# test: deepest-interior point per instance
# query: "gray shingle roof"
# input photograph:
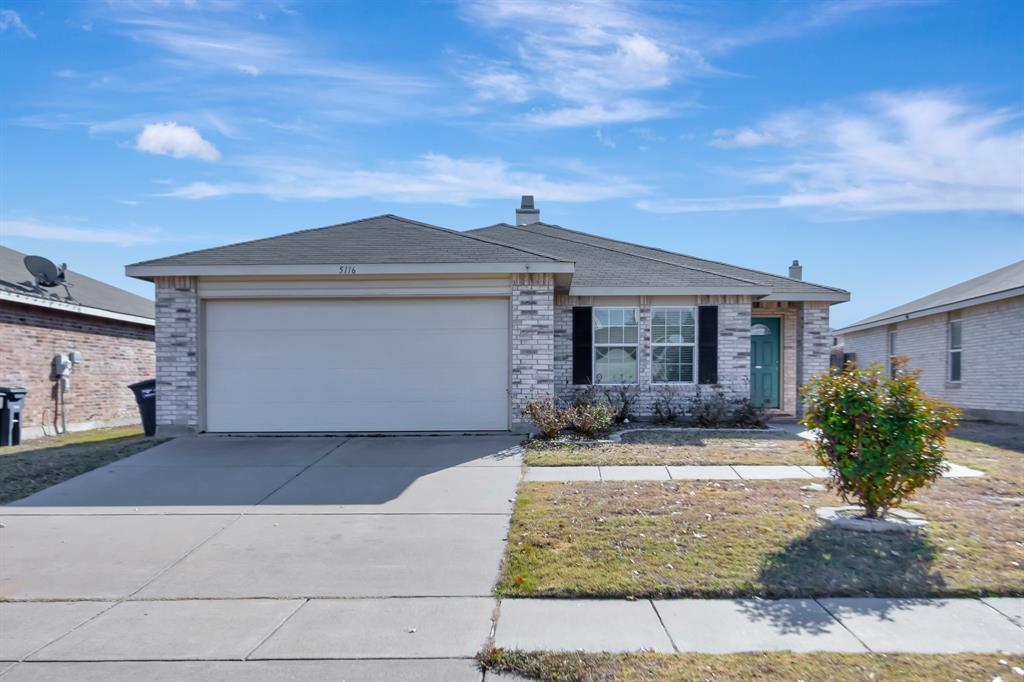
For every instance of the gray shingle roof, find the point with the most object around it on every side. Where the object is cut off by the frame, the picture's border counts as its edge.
(609, 262)
(381, 239)
(998, 281)
(85, 291)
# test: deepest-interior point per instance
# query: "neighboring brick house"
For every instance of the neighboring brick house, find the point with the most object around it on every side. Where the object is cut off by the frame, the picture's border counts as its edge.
(110, 327)
(388, 324)
(967, 340)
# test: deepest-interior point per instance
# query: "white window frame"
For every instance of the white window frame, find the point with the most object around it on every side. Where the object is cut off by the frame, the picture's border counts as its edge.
(958, 351)
(594, 345)
(696, 332)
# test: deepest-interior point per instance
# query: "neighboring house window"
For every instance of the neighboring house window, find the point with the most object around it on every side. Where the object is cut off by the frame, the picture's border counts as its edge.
(673, 336)
(955, 350)
(892, 354)
(616, 340)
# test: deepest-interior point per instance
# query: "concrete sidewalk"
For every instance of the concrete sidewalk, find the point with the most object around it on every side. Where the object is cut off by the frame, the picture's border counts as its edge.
(717, 626)
(735, 472)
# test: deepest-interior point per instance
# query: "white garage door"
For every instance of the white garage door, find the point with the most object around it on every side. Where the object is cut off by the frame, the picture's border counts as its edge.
(357, 365)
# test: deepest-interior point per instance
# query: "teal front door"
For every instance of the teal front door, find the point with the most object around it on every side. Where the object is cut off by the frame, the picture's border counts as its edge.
(764, 361)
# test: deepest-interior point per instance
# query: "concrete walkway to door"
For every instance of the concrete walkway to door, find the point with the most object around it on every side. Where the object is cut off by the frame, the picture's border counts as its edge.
(261, 558)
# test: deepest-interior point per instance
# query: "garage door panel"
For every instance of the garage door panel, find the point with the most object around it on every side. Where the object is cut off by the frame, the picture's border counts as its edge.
(343, 365)
(340, 386)
(369, 415)
(380, 314)
(353, 349)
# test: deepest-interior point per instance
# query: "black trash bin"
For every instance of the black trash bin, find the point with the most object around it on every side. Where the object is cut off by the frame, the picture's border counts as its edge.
(12, 402)
(145, 397)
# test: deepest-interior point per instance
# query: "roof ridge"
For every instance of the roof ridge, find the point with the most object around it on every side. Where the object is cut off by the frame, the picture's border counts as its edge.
(471, 236)
(655, 260)
(891, 312)
(264, 239)
(409, 221)
(686, 255)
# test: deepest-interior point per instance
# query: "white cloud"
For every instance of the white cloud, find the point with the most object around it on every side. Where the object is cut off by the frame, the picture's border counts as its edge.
(11, 19)
(57, 232)
(508, 87)
(597, 114)
(431, 178)
(171, 139)
(586, 57)
(917, 152)
(703, 205)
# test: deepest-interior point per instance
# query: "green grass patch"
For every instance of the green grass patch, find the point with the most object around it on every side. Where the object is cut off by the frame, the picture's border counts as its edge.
(38, 464)
(831, 667)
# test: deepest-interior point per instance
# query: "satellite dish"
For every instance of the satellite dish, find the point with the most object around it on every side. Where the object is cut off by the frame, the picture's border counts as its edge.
(46, 273)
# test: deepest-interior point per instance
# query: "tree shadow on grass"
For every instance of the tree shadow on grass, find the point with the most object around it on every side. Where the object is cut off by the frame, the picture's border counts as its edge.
(835, 562)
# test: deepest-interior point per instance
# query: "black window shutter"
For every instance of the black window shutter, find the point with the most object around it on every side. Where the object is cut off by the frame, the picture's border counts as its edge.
(582, 345)
(707, 344)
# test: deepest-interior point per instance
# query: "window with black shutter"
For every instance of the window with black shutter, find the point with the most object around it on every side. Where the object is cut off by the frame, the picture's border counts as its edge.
(582, 345)
(707, 344)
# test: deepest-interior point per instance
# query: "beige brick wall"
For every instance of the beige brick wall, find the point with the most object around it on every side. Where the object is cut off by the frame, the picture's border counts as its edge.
(177, 355)
(115, 354)
(733, 348)
(533, 341)
(992, 380)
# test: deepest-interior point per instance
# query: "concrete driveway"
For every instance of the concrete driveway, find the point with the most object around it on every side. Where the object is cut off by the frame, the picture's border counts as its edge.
(261, 558)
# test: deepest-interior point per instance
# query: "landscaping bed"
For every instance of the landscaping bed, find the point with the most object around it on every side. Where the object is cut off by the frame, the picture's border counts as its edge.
(40, 463)
(569, 666)
(761, 538)
(676, 447)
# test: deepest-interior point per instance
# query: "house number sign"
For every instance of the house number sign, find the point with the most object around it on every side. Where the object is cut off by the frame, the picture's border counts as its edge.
(346, 269)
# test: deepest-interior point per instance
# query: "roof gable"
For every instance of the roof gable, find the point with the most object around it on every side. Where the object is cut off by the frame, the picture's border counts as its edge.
(675, 267)
(377, 240)
(1008, 279)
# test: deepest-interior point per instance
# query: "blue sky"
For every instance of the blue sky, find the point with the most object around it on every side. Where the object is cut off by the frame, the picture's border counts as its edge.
(881, 143)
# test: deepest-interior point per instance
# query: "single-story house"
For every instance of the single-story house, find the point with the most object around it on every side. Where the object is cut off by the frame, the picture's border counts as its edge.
(389, 324)
(107, 330)
(961, 338)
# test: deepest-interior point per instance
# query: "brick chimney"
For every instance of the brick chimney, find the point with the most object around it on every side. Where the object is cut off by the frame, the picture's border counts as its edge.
(796, 271)
(526, 213)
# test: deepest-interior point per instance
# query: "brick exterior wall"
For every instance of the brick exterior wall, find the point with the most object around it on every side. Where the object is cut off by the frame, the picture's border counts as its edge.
(115, 354)
(733, 349)
(533, 342)
(814, 342)
(992, 375)
(177, 357)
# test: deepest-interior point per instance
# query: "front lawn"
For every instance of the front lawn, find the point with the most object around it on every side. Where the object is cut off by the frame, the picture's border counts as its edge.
(675, 447)
(761, 538)
(571, 667)
(40, 463)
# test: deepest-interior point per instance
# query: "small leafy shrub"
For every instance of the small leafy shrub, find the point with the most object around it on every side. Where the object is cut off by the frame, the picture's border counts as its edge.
(666, 401)
(547, 417)
(591, 420)
(715, 408)
(585, 396)
(747, 415)
(710, 408)
(622, 399)
(881, 438)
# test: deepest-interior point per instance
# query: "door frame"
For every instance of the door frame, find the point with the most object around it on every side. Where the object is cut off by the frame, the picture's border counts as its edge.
(782, 355)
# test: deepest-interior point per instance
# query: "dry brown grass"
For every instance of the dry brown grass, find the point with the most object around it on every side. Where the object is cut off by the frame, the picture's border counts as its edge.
(819, 667)
(677, 448)
(38, 464)
(745, 538)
